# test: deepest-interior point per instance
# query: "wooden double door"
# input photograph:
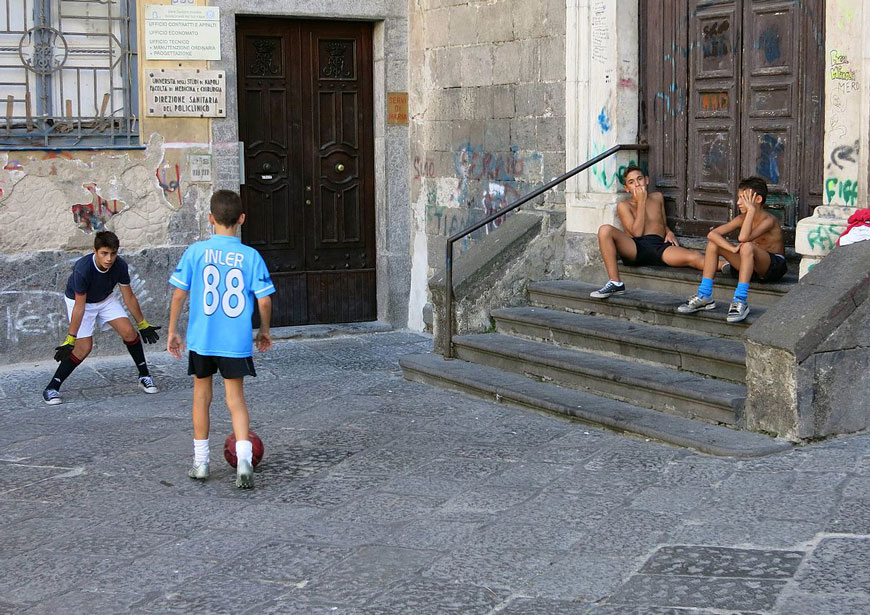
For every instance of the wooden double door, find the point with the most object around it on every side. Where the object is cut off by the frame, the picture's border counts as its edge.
(732, 89)
(306, 122)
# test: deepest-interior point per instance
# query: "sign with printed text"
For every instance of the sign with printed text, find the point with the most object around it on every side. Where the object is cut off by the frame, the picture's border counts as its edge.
(185, 93)
(200, 167)
(397, 108)
(178, 32)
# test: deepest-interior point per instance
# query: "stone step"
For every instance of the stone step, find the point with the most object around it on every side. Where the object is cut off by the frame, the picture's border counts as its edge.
(647, 306)
(684, 282)
(516, 390)
(668, 390)
(684, 350)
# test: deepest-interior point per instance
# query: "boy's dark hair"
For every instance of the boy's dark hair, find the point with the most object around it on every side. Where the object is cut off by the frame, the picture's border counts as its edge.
(106, 239)
(629, 169)
(226, 207)
(756, 184)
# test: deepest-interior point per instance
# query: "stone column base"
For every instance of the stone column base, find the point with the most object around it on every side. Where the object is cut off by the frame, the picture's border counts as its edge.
(817, 235)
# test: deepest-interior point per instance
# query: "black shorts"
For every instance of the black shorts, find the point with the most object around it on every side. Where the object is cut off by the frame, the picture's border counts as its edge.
(775, 270)
(203, 366)
(649, 250)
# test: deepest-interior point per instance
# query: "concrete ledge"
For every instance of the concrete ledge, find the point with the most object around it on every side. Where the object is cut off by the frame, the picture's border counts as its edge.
(523, 392)
(643, 305)
(331, 330)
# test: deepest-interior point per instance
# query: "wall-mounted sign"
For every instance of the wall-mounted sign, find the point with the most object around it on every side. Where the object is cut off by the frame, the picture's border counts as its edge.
(175, 32)
(200, 167)
(185, 93)
(397, 108)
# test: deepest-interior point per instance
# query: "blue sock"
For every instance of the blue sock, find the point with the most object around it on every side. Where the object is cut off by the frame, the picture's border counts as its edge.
(742, 292)
(706, 288)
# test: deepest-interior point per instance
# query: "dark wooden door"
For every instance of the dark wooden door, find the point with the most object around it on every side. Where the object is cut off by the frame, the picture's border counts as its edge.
(306, 121)
(733, 89)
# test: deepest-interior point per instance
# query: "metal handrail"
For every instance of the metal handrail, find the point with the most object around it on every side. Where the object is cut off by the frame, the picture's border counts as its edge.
(448, 351)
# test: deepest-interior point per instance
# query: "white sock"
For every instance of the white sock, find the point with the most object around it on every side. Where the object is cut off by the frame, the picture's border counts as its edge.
(244, 450)
(615, 282)
(200, 451)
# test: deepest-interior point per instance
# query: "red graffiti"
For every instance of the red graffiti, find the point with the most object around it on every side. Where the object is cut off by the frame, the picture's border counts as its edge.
(169, 179)
(423, 168)
(94, 215)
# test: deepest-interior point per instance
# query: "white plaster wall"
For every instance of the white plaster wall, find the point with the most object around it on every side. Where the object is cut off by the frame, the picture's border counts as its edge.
(847, 129)
(601, 105)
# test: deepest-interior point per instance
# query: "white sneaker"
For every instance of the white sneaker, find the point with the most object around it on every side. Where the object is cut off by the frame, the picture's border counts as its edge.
(737, 311)
(199, 471)
(244, 475)
(147, 384)
(696, 304)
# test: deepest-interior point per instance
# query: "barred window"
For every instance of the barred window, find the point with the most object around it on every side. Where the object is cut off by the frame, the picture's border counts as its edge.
(68, 74)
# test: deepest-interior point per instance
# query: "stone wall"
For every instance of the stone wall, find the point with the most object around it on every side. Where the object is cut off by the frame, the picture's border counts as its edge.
(487, 112)
(53, 201)
(807, 358)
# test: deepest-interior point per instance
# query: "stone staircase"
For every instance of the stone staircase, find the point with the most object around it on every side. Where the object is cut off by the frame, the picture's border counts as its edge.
(630, 362)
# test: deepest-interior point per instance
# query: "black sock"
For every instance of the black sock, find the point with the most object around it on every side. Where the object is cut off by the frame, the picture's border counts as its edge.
(65, 368)
(138, 353)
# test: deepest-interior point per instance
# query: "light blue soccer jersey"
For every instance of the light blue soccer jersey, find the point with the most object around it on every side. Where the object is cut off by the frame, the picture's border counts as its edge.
(224, 278)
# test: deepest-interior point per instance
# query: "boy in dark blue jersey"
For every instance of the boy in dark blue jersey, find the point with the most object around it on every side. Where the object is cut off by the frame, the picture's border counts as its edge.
(224, 278)
(90, 302)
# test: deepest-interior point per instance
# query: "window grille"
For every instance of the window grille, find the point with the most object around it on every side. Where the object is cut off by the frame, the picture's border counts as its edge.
(68, 74)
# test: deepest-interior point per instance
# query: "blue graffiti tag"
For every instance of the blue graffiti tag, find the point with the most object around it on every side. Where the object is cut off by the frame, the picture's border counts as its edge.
(770, 149)
(768, 42)
(603, 120)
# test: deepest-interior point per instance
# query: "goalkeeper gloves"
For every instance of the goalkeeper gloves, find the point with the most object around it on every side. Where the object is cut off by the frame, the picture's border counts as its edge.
(65, 350)
(148, 332)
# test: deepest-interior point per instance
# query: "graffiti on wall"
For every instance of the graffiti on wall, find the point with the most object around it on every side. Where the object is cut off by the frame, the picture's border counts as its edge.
(169, 178)
(93, 216)
(823, 237)
(483, 183)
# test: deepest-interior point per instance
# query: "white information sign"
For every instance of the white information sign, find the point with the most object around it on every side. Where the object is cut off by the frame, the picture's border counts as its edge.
(177, 32)
(185, 93)
(200, 167)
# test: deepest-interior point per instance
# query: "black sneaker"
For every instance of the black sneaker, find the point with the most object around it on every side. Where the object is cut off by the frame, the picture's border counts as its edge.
(609, 289)
(52, 397)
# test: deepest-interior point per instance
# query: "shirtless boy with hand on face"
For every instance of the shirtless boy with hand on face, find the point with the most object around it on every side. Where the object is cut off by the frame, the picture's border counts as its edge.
(646, 240)
(758, 255)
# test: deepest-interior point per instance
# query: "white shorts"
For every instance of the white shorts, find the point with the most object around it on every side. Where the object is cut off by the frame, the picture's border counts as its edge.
(99, 314)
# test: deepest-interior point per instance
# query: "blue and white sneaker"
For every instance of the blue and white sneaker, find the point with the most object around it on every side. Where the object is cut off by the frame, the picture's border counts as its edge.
(696, 304)
(608, 290)
(52, 397)
(737, 311)
(147, 384)
(244, 475)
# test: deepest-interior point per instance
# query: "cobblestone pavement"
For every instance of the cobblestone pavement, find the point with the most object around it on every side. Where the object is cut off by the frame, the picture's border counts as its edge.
(379, 496)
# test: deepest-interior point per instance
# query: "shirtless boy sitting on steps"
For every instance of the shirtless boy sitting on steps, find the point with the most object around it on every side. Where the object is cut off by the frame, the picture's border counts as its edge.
(646, 240)
(758, 255)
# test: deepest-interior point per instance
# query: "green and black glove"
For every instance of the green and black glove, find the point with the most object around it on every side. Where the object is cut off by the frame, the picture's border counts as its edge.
(148, 332)
(65, 350)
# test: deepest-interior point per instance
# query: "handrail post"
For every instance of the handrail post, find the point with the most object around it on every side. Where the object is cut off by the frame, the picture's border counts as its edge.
(448, 300)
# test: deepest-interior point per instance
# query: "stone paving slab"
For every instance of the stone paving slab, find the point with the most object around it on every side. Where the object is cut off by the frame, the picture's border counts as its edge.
(379, 496)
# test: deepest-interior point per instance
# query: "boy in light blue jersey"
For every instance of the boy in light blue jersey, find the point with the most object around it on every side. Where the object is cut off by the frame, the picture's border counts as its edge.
(224, 278)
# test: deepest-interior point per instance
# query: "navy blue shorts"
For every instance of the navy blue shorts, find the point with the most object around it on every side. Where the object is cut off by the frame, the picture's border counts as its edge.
(774, 273)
